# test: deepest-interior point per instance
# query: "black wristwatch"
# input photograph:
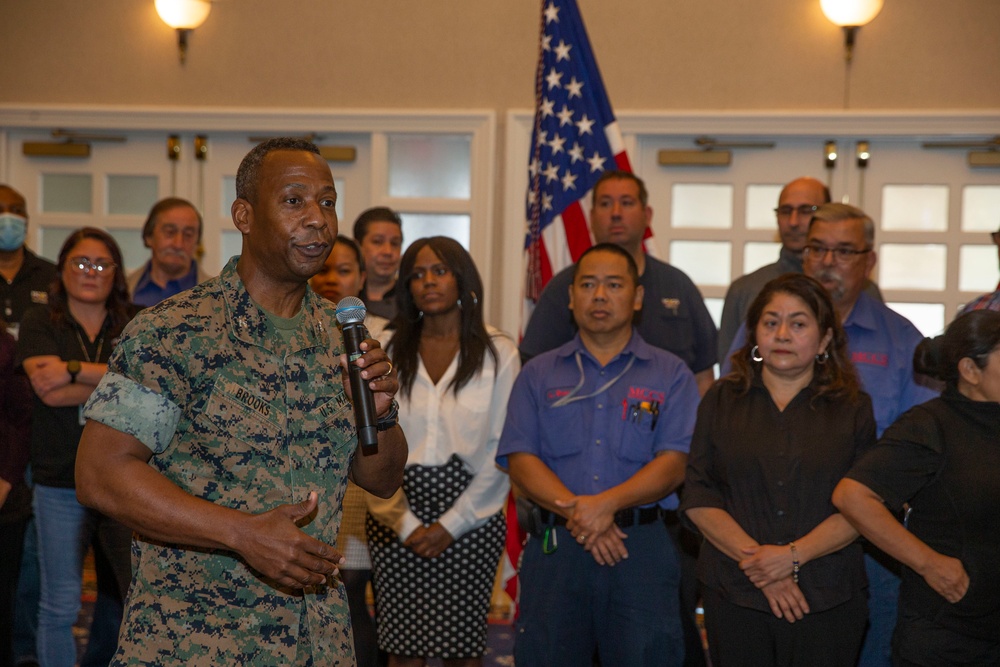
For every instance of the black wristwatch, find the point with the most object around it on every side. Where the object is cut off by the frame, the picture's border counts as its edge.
(389, 419)
(73, 368)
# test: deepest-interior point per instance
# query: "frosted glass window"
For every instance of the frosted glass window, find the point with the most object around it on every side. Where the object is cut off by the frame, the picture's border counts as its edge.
(228, 197)
(52, 240)
(906, 266)
(977, 268)
(714, 305)
(928, 318)
(761, 202)
(232, 244)
(433, 165)
(130, 243)
(702, 205)
(980, 208)
(758, 254)
(419, 225)
(346, 226)
(705, 262)
(915, 208)
(67, 193)
(132, 195)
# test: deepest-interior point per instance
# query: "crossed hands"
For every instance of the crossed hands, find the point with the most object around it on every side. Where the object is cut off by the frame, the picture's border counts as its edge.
(769, 568)
(429, 541)
(592, 524)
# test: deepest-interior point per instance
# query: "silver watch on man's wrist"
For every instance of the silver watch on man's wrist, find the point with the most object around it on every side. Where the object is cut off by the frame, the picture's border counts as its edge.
(389, 419)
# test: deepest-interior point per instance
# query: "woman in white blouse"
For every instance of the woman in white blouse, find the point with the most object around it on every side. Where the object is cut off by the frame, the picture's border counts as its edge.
(436, 544)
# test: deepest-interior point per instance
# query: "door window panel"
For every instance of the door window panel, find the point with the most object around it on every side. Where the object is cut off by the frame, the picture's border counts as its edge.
(67, 193)
(702, 205)
(915, 208)
(912, 266)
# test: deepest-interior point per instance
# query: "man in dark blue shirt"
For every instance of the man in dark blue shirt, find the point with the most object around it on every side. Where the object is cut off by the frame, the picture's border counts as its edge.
(172, 233)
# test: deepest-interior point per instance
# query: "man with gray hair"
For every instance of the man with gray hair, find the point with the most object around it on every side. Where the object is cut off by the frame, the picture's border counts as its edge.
(172, 232)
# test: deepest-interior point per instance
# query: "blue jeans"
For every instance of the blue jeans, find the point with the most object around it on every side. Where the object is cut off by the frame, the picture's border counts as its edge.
(883, 595)
(65, 528)
(60, 521)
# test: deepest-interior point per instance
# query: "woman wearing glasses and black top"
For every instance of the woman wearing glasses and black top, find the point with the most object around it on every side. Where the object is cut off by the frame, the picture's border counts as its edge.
(64, 348)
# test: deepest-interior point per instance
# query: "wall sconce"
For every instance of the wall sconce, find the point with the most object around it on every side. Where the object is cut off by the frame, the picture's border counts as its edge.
(863, 154)
(850, 15)
(184, 16)
(830, 154)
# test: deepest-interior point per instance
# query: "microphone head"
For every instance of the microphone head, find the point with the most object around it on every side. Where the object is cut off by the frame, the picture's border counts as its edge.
(351, 310)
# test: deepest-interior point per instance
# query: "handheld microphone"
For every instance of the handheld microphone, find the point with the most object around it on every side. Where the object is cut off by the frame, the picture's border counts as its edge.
(351, 316)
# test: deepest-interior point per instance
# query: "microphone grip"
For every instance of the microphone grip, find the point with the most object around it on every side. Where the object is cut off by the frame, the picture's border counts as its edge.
(364, 402)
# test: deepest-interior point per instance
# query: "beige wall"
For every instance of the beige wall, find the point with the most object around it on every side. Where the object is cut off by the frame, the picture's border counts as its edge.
(662, 55)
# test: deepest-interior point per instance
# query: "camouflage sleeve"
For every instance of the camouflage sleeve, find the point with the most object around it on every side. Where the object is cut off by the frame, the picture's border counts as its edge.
(131, 408)
(137, 394)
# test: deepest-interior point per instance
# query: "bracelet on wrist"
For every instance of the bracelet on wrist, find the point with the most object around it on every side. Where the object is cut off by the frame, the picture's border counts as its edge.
(390, 418)
(795, 562)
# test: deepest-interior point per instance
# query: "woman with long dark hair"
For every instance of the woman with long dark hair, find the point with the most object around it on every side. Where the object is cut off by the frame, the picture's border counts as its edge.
(436, 544)
(782, 576)
(64, 349)
(940, 461)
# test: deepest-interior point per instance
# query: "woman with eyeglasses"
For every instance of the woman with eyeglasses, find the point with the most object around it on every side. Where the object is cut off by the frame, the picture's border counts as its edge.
(940, 461)
(64, 348)
(782, 574)
(436, 544)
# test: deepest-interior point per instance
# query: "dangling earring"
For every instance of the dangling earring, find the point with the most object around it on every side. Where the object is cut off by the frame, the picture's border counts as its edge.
(821, 358)
(755, 354)
(420, 315)
(459, 304)
(475, 299)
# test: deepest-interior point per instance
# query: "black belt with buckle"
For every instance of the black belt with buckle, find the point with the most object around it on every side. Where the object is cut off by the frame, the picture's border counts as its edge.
(633, 516)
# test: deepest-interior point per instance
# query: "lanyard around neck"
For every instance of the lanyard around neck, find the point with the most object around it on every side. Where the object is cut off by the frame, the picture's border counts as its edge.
(571, 397)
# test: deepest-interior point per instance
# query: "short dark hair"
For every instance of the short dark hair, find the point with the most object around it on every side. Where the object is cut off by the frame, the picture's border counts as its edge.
(349, 243)
(836, 375)
(249, 172)
(163, 206)
(375, 214)
(633, 268)
(974, 335)
(621, 175)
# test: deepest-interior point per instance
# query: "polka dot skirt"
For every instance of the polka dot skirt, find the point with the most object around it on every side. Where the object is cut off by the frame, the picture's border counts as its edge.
(434, 607)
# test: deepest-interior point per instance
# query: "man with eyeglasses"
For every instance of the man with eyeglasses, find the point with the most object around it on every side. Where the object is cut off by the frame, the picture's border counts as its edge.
(797, 202)
(172, 232)
(839, 252)
(990, 300)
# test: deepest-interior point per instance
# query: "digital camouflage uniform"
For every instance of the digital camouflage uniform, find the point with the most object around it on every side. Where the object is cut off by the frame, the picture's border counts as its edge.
(235, 417)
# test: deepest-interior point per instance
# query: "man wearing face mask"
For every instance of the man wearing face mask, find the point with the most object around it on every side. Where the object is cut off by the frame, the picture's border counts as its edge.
(26, 277)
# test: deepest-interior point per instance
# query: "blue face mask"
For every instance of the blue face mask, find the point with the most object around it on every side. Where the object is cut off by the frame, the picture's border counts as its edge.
(12, 230)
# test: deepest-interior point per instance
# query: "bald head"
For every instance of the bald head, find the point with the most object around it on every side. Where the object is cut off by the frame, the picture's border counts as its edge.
(793, 210)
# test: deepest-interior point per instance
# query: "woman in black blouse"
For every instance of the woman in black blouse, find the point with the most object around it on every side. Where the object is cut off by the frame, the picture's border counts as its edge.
(782, 577)
(942, 458)
(64, 347)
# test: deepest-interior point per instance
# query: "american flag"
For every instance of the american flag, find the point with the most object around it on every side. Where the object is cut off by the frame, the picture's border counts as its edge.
(575, 139)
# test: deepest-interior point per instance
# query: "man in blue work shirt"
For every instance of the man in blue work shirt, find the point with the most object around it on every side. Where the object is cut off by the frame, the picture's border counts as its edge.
(172, 232)
(597, 435)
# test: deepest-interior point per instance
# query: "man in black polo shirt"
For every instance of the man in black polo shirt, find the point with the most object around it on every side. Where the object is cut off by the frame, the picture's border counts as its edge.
(26, 276)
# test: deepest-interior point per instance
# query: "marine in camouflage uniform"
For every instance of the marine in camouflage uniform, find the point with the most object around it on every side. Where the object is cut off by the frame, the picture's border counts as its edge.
(216, 418)
(233, 418)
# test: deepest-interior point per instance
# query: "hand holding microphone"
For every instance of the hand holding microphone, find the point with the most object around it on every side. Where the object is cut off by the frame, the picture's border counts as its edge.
(351, 316)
